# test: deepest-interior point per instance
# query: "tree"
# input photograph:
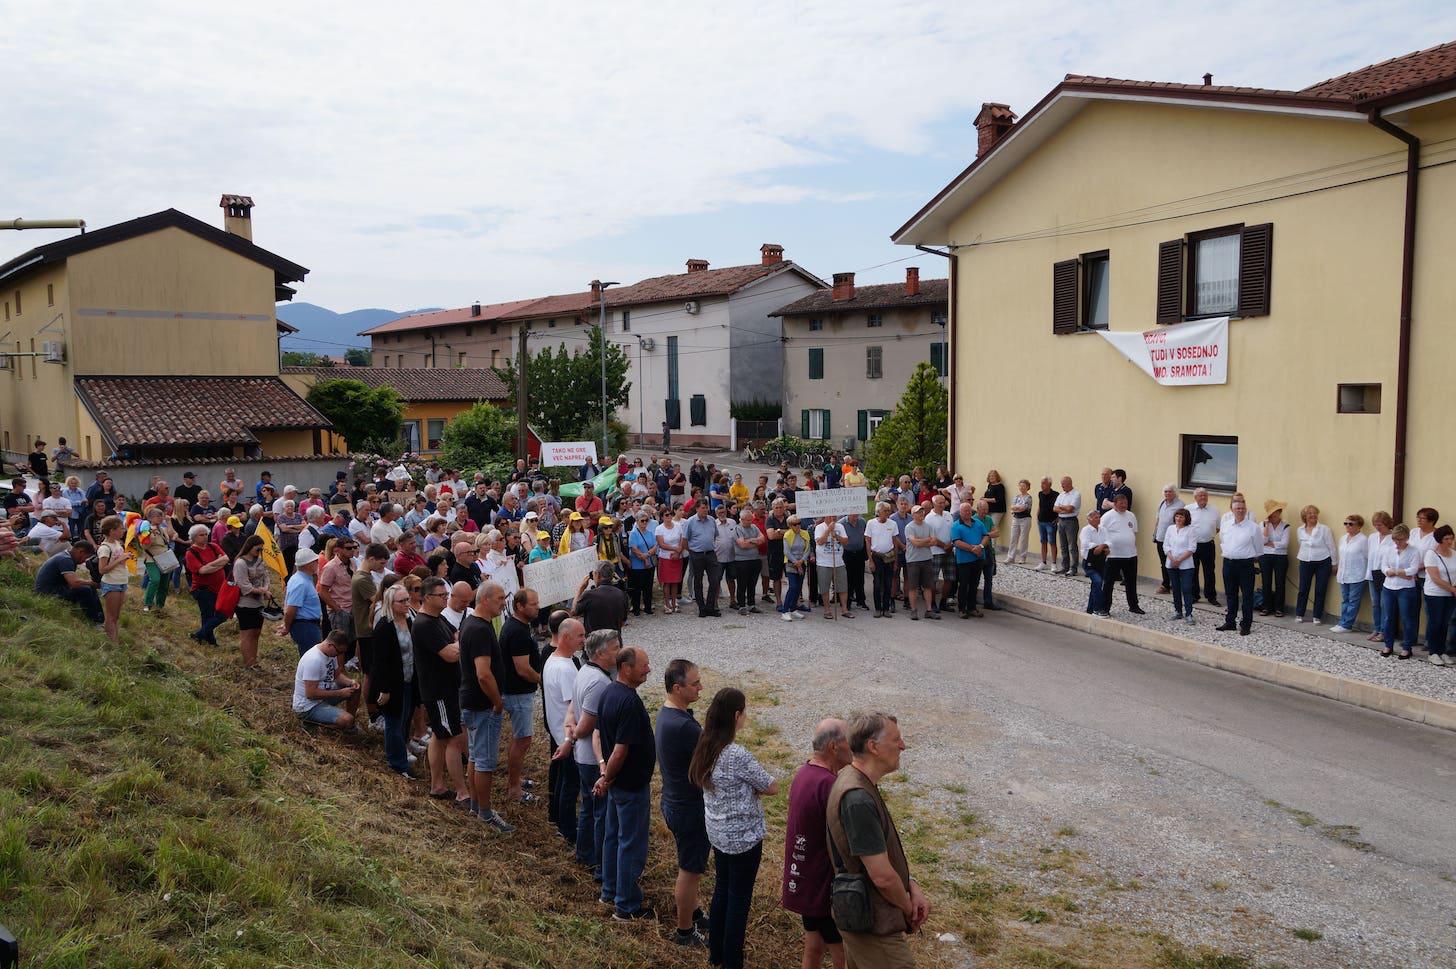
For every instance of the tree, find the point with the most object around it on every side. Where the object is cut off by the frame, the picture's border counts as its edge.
(483, 435)
(564, 392)
(359, 357)
(358, 411)
(300, 358)
(914, 433)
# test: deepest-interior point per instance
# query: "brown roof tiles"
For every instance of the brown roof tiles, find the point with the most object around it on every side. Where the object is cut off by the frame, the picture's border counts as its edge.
(1410, 72)
(179, 411)
(420, 383)
(933, 292)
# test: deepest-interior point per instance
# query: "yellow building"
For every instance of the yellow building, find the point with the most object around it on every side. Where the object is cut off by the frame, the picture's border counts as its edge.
(151, 339)
(432, 397)
(1142, 205)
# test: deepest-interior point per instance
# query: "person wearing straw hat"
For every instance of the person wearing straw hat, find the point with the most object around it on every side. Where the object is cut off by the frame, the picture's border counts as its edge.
(1274, 558)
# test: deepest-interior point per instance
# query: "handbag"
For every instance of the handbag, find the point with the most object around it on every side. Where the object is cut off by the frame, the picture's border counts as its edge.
(849, 897)
(166, 560)
(227, 599)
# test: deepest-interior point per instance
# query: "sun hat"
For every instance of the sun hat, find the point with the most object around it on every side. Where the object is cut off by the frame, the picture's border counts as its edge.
(1273, 505)
(304, 556)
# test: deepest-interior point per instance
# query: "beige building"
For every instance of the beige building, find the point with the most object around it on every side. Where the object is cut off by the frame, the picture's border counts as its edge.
(849, 352)
(153, 338)
(1319, 220)
(468, 336)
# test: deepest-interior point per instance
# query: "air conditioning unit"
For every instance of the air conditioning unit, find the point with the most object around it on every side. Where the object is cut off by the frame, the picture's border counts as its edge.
(649, 344)
(55, 351)
(691, 307)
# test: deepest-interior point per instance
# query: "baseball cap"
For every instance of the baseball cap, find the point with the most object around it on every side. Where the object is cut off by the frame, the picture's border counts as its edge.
(49, 513)
(188, 474)
(234, 521)
(576, 516)
(305, 556)
(530, 515)
(605, 520)
(543, 536)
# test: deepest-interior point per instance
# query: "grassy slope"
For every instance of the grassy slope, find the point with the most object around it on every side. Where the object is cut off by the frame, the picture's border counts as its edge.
(159, 807)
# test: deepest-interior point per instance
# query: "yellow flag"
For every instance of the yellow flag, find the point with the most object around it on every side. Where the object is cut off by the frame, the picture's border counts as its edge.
(272, 557)
(130, 544)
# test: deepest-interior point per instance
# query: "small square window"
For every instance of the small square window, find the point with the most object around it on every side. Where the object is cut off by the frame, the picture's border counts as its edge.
(816, 325)
(874, 362)
(435, 430)
(550, 322)
(1209, 461)
(876, 319)
(1358, 399)
(937, 318)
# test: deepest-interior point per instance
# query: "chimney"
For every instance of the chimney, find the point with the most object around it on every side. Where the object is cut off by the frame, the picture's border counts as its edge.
(992, 124)
(912, 281)
(237, 215)
(474, 309)
(772, 253)
(596, 291)
(697, 265)
(843, 286)
(1208, 80)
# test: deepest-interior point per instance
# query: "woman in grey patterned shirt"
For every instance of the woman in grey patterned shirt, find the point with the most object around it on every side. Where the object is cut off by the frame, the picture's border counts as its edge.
(732, 782)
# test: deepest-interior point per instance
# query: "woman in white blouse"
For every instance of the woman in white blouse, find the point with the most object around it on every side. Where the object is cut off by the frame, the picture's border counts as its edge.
(1377, 544)
(1440, 565)
(1353, 572)
(1400, 563)
(1274, 558)
(1316, 562)
(1180, 545)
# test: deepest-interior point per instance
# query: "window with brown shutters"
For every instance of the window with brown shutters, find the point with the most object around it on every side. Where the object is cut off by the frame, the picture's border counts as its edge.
(1064, 296)
(1255, 260)
(1170, 281)
(1216, 272)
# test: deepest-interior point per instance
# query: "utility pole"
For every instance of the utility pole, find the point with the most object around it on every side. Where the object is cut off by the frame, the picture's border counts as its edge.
(601, 289)
(521, 395)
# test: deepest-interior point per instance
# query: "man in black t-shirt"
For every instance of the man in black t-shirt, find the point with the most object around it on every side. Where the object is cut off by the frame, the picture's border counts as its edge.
(518, 681)
(605, 606)
(437, 669)
(481, 703)
(188, 490)
(774, 526)
(40, 466)
(464, 569)
(682, 802)
(480, 505)
(626, 782)
(1046, 524)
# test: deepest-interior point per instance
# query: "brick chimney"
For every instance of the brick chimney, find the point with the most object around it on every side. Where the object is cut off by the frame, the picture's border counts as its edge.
(912, 281)
(772, 253)
(237, 215)
(843, 286)
(474, 309)
(596, 291)
(697, 265)
(992, 124)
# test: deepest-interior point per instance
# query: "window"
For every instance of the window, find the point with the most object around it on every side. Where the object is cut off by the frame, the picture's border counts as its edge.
(672, 412)
(386, 360)
(1096, 290)
(462, 358)
(869, 422)
(1081, 293)
(672, 393)
(937, 358)
(435, 431)
(816, 363)
(50, 294)
(1216, 272)
(410, 432)
(1210, 462)
(493, 328)
(874, 362)
(495, 358)
(814, 425)
(7, 310)
(816, 325)
(698, 411)
(1358, 399)
(550, 322)
(18, 310)
(876, 319)
(937, 318)
(626, 321)
(468, 329)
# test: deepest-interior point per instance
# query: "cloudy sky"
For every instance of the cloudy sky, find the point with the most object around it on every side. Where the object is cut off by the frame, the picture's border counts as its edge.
(434, 153)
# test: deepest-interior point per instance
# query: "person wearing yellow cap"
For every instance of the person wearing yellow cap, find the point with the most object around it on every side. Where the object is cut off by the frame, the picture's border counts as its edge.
(232, 540)
(576, 536)
(542, 551)
(609, 545)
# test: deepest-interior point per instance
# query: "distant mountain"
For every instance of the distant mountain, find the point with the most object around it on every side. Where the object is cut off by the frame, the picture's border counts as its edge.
(332, 331)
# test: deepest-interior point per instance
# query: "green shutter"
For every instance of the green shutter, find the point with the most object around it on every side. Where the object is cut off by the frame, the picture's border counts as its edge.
(864, 425)
(937, 358)
(816, 363)
(827, 434)
(804, 424)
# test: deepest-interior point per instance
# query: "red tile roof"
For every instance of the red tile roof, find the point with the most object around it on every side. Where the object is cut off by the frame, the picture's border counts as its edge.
(420, 383)
(567, 304)
(178, 411)
(933, 292)
(1432, 66)
(489, 313)
(696, 285)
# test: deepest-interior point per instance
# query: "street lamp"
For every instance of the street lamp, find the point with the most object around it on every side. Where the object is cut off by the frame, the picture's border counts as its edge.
(601, 289)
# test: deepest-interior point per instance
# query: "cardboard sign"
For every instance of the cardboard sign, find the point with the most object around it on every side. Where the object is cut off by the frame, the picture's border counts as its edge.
(568, 454)
(555, 580)
(1183, 355)
(831, 501)
(504, 573)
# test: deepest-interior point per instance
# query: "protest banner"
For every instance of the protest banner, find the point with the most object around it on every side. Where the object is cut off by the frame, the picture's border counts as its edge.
(502, 571)
(555, 580)
(568, 454)
(831, 501)
(1182, 355)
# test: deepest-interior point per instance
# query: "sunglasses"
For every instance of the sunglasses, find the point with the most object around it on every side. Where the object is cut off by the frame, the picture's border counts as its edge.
(1349, 523)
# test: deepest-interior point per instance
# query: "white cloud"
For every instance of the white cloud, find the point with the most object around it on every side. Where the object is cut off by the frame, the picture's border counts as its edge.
(434, 153)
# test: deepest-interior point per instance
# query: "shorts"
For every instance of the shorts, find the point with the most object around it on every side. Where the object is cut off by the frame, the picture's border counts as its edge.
(775, 563)
(833, 578)
(109, 587)
(690, 834)
(947, 567)
(824, 925)
(484, 728)
(1047, 532)
(522, 708)
(920, 575)
(342, 621)
(444, 716)
(249, 617)
(327, 711)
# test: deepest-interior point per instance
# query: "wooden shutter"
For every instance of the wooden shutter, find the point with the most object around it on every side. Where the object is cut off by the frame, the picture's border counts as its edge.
(1170, 281)
(804, 424)
(698, 410)
(1064, 296)
(1256, 252)
(672, 408)
(864, 425)
(937, 358)
(816, 363)
(825, 427)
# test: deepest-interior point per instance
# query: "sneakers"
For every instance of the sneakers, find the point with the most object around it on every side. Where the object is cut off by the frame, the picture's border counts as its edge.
(637, 916)
(1189, 619)
(353, 665)
(1317, 621)
(755, 610)
(1299, 619)
(1338, 629)
(1177, 616)
(495, 822)
(377, 724)
(1438, 659)
(1040, 567)
(786, 616)
(688, 939)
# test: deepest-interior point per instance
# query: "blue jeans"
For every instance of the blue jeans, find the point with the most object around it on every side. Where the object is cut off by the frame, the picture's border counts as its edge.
(396, 730)
(208, 615)
(1350, 595)
(1184, 583)
(1404, 605)
(624, 850)
(1094, 594)
(1377, 602)
(564, 783)
(1438, 620)
(306, 634)
(1318, 574)
(591, 824)
(734, 876)
(791, 595)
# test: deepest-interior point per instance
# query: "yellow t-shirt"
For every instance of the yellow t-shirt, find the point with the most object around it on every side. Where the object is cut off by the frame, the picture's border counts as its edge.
(852, 479)
(738, 492)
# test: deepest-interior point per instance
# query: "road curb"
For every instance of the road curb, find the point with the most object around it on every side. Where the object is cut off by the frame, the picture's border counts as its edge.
(1371, 696)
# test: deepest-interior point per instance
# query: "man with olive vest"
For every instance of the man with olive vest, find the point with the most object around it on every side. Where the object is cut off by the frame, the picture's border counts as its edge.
(873, 899)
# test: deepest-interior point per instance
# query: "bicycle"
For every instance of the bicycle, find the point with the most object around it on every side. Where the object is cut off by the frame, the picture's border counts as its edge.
(752, 454)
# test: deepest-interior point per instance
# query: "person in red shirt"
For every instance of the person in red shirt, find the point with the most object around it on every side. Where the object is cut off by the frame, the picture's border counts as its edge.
(206, 563)
(408, 557)
(807, 867)
(589, 505)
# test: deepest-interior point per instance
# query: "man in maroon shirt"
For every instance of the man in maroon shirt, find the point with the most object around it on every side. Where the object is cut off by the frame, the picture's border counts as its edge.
(589, 505)
(807, 869)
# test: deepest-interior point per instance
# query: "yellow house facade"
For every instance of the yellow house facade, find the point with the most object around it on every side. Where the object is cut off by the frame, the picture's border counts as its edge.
(1136, 206)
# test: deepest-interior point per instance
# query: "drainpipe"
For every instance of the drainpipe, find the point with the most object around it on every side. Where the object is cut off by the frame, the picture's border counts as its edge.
(1407, 279)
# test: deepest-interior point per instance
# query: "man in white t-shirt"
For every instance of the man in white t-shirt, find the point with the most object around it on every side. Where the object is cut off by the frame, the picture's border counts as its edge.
(882, 538)
(1092, 550)
(462, 598)
(558, 684)
(386, 531)
(829, 539)
(938, 518)
(1068, 506)
(1204, 521)
(321, 694)
(1121, 526)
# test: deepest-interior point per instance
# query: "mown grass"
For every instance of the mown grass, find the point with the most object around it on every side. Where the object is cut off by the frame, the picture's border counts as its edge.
(159, 807)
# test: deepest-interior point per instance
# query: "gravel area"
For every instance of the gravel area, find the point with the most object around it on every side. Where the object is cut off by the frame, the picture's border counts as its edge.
(1129, 801)
(1307, 645)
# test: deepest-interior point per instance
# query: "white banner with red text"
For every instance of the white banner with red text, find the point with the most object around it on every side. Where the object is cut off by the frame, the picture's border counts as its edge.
(1181, 355)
